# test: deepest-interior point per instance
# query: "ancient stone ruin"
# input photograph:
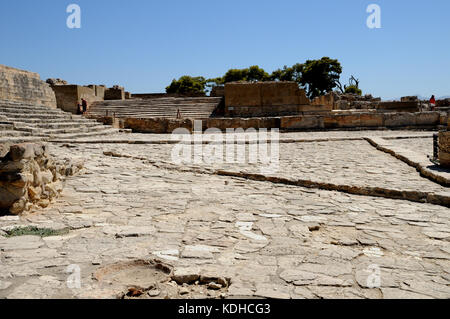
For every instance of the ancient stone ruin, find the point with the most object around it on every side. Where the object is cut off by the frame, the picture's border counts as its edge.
(352, 192)
(29, 177)
(23, 86)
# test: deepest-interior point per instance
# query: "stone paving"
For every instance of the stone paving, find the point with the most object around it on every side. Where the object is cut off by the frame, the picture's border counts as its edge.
(419, 145)
(215, 236)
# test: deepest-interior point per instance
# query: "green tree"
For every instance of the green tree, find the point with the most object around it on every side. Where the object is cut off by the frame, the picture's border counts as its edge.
(293, 73)
(252, 74)
(256, 74)
(353, 89)
(235, 75)
(187, 85)
(320, 76)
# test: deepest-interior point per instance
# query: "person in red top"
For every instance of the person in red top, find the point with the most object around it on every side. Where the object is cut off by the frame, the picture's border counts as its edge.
(432, 102)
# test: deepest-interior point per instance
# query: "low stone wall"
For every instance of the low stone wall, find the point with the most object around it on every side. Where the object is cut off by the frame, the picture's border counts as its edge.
(444, 149)
(361, 120)
(394, 106)
(330, 120)
(30, 177)
(23, 86)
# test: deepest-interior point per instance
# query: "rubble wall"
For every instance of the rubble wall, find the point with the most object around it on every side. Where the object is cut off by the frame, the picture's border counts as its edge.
(29, 177)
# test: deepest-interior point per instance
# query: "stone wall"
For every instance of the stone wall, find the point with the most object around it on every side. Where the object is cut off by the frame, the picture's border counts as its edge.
(307, 122)
(30, 177)
(115, 93)
(444, 148)
(394, 106)
(245, 99)
(99, 91)
(350, 101)
(443, 103)
(23, 86)
(218, 91)
(69, 96)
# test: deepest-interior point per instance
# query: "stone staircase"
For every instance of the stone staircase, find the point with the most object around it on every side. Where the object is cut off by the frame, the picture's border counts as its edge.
(21, 122)
(166, 107)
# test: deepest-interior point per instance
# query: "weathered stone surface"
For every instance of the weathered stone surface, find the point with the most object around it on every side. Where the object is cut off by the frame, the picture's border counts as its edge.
(444, 149)
(29, 176)
(263, 98)
(319, 243)
(23, 86)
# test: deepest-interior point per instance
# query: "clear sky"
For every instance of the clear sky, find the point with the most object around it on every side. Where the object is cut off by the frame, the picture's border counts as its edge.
(144, 44)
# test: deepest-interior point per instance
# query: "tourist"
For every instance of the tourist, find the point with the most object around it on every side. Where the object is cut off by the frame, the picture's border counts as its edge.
(432, 102)
(84, 105)
(178, 114)
(79, 109)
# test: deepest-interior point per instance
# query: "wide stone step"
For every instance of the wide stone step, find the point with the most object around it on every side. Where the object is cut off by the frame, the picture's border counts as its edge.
(82, 129)
(10, 110)
(22, 139)
(37, 117)
(124, 104)
(6, 127)
(36, 121)
(14, 133)
(66, 125)
(88, 134)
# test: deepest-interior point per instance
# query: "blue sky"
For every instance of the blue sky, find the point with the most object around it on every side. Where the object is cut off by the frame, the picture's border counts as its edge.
(144, 44)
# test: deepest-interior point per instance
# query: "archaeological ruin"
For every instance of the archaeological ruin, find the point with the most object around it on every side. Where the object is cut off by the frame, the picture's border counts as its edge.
(356, 184)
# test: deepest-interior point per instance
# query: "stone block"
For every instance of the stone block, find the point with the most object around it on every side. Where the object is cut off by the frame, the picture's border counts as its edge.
(242, 94)
(411, 107)
(115, 93)
(371, 120)
(279, 93)
(427, 118)
(301, 122)
(444, 149)
(147, 125)
(263, 98)
(399, 119)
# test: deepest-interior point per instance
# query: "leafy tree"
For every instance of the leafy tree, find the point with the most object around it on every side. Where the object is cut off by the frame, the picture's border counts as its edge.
(353, 89)
(187, 85)
(293, 73)
(320, 76)
(234, 75)
(353, 86)
(255, 73)
(252, 74)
